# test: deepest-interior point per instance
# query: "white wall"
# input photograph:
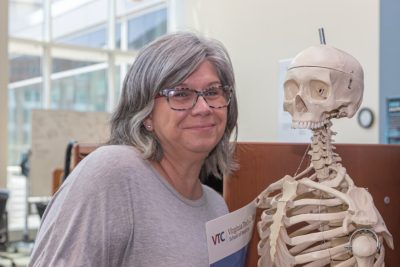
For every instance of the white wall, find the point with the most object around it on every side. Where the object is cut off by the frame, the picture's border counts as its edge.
(259, 33)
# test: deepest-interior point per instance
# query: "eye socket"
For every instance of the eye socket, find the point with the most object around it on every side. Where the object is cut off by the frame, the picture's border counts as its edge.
(291, 89)
(319, 90)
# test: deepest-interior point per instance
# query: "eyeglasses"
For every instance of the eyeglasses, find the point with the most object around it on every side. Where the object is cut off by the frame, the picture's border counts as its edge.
(180, 98)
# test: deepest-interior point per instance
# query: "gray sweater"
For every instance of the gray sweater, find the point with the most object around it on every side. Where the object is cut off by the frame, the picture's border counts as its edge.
(116, 210)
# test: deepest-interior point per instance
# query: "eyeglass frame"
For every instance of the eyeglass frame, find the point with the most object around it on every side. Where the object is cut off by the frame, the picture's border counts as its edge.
(227, 88)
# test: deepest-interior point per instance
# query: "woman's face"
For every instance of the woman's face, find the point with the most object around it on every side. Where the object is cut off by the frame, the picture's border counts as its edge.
(193, 132)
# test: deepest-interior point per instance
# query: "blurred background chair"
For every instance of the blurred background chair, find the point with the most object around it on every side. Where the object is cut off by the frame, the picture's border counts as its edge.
(4, 195)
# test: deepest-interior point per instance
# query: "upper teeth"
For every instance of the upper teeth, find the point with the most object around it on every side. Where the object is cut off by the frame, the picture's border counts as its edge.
(307, 124)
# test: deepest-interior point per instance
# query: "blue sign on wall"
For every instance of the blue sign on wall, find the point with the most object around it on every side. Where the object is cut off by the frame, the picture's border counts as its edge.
(393, 111)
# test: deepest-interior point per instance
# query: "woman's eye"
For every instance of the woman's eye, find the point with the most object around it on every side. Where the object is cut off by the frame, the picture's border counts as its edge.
(211, 92)
(180, 93)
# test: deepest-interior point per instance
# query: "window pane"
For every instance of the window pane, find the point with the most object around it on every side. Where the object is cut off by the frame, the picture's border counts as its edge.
(21, 101)
(25, 94)
(118, 83)
(61, 64)
(26, 19)
(24, 67)
(120, 72)
(80, 92)
(144, 29)
(92, 37)
(118, 43)
(79, 22)
(126, 7)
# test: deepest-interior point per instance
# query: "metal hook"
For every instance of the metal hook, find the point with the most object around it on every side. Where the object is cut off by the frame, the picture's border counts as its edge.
(360, 231)
(322, 36)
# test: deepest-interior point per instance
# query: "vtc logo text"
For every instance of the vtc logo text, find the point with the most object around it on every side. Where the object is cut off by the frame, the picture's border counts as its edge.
(218, 238)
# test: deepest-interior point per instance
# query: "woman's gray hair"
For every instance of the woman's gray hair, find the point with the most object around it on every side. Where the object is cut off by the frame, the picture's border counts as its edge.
(166, 63)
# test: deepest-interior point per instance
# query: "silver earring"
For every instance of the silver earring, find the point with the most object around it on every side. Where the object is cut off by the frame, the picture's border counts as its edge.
(148, 127)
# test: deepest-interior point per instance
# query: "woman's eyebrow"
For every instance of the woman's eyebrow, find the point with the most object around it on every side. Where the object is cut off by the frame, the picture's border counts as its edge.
(208, 85)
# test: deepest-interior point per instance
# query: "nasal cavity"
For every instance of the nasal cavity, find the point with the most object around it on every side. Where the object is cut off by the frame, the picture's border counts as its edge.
(300, 105)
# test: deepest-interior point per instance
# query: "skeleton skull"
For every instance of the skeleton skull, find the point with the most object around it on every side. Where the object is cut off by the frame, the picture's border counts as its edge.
(322, 82)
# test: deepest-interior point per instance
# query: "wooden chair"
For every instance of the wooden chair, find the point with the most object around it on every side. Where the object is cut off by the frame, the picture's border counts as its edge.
(78, 152)
(375, 167)
(57, 175)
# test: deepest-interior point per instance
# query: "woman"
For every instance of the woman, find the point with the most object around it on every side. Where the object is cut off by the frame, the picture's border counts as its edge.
(139, 201)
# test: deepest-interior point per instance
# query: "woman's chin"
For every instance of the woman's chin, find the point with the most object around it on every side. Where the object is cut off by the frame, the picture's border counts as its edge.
(202, 147)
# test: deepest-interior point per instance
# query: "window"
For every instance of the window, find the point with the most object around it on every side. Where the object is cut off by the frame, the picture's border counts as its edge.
(81, 22)
(143, 29)
(78, 80)
(61, 57)
(24, 94)
(86, 91)
(22, 100)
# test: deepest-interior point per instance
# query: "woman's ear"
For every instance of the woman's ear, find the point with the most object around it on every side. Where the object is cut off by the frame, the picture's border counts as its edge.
(148, 124)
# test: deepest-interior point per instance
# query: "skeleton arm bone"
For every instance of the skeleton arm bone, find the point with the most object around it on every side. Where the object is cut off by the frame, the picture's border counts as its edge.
(381, 257)
(364, 250)
(364, 244)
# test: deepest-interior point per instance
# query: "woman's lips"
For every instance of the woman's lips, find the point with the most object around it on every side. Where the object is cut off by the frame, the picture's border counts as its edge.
(201, 126)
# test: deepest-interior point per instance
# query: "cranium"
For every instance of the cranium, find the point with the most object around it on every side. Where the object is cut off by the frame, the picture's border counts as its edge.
(322, 82)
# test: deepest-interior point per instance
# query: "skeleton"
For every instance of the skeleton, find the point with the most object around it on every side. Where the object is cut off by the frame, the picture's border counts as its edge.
(319, 217)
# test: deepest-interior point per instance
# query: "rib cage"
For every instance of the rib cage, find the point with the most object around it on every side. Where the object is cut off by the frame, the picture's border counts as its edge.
(308, 219)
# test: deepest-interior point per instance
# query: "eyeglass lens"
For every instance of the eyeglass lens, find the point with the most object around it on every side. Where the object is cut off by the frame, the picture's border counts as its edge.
(185, 98)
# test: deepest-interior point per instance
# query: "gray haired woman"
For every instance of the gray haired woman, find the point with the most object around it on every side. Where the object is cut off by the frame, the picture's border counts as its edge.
(139, 200)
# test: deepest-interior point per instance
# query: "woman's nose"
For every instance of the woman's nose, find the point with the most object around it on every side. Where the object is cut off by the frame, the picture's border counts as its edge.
(201, 106)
